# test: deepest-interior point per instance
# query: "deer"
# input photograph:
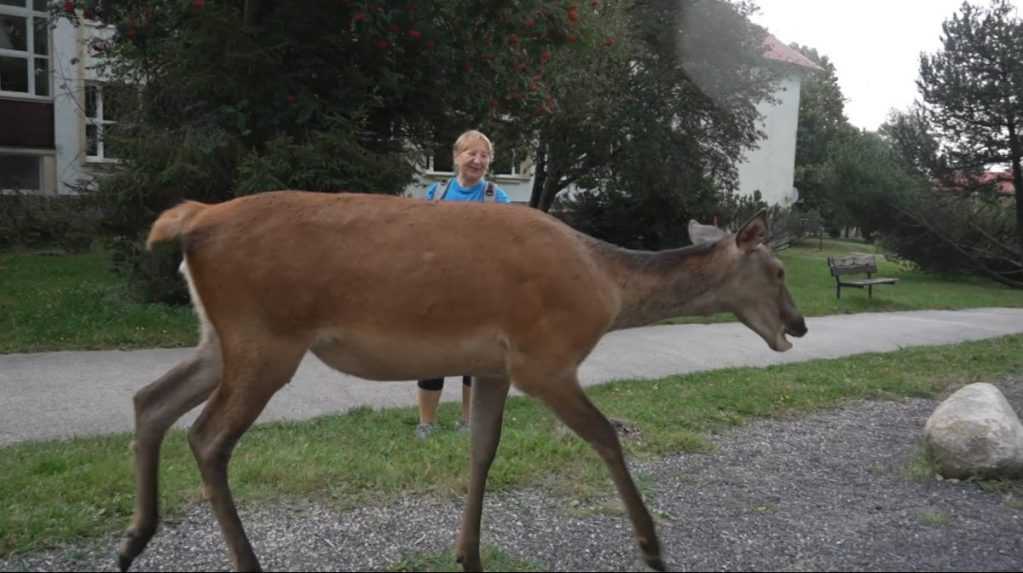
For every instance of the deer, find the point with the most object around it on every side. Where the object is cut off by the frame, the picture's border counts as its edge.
(394, 289)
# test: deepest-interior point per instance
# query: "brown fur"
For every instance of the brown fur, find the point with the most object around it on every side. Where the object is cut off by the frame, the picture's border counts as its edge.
(395, 289)
(172, 222)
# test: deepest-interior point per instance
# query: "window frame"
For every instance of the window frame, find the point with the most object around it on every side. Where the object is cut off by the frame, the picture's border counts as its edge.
(30, 14)
(99, 121)
(38, 157)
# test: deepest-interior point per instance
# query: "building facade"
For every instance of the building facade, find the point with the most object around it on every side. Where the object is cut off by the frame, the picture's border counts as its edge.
(53, 117)
(770, 168)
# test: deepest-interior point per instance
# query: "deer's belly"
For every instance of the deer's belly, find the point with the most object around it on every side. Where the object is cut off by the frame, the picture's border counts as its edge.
(410, 358)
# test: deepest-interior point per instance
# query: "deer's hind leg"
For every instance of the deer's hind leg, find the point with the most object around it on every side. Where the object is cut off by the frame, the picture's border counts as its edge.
(488, 398)
(253, 372)
(565, 397)
(157, 407)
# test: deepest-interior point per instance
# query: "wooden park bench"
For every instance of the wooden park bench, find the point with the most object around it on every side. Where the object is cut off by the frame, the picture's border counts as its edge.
(856, 264)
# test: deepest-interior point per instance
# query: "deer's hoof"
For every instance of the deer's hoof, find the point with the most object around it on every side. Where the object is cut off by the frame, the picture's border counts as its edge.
(124, 562)
(656, 563)
(470, 564)
(134, 543)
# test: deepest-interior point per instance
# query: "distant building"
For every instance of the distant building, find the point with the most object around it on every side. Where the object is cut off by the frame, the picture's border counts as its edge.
(51, 101)
(770, 168)
(998, 181)
(52, 115)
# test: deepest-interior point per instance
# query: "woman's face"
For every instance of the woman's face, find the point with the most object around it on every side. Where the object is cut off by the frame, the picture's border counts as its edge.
(473, 162)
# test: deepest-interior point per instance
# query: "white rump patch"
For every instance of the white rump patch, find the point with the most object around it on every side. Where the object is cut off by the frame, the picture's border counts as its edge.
(206, 331)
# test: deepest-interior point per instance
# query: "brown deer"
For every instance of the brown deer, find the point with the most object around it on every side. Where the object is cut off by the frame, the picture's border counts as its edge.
(387, 288)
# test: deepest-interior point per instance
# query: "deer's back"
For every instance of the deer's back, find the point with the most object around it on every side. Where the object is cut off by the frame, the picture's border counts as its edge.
(385, 264)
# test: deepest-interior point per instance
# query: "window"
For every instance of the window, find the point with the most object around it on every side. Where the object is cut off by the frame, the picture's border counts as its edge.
(20, 173)
(102, 112)
(24, 47)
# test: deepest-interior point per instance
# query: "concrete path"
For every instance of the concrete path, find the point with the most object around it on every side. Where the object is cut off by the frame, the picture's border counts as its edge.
(63, 394)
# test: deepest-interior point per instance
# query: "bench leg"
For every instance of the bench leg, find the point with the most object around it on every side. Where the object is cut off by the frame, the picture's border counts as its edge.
(870, 291)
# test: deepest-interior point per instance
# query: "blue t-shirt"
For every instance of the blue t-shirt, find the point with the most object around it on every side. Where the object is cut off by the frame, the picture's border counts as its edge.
(475, 193)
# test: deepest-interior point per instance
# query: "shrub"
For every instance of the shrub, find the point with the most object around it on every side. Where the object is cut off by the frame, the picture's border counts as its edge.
(949, 232)
(152, 276)
(69, 222)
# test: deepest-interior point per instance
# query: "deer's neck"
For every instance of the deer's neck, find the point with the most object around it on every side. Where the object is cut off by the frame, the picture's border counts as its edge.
(655, 286)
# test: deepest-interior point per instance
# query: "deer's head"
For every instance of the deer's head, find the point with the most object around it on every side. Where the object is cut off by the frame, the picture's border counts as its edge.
(754, 284)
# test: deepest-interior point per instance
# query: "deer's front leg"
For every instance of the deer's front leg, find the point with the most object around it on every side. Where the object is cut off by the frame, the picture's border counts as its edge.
(488, 398)
(157, 407)
(578, 413)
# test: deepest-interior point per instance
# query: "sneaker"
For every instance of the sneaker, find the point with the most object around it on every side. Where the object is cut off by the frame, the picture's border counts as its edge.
(423, 431)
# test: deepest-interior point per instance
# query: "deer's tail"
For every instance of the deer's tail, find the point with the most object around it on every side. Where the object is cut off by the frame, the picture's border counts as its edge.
(170, 225)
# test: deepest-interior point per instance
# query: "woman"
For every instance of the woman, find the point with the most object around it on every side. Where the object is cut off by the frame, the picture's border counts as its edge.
(472, 154)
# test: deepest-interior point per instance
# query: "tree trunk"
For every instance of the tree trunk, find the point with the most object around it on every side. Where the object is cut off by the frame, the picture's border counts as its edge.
(550, 191)
(539, 174)
(1017, 183)
(554, 171)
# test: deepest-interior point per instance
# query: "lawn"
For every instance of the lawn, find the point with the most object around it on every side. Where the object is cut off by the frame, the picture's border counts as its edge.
(56, 492)
(75, 302)
(59, 491)
(813, 287)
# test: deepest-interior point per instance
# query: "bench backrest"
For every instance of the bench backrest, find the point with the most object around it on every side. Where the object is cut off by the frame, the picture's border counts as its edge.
(852, 264)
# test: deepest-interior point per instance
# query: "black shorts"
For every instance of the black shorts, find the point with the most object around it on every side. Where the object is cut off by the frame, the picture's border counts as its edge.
(437, 384)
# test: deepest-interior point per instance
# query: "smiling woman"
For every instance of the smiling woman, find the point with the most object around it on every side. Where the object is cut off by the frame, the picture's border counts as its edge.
(471, 156)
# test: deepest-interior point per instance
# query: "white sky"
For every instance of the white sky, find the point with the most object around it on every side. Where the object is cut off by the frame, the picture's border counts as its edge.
(875, 45)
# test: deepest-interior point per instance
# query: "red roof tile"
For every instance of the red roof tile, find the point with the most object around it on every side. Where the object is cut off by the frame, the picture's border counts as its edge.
(779, 52)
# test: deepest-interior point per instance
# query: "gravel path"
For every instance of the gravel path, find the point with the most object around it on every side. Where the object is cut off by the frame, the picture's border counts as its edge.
(821, 492)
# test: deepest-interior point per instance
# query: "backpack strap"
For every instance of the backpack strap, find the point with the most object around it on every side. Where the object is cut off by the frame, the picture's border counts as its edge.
(441, 191)
(489, 194)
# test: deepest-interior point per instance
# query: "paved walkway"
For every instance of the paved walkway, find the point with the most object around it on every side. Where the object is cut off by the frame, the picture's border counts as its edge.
(63, 394)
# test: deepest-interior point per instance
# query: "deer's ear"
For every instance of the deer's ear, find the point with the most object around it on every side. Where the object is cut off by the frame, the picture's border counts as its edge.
(702, 234)
(752, 233)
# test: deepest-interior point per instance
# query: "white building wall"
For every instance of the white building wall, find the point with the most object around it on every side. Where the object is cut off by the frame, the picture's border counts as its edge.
(771, 167)
(73, 66)
(67, 105)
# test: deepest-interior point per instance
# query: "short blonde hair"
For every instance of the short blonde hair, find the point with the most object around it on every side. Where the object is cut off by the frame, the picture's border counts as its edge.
(467, 139)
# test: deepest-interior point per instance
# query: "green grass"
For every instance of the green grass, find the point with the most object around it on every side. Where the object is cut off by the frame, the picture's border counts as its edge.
(59, 491)
(813, 287)
(934, 518)
(55, 492)
(74, 302)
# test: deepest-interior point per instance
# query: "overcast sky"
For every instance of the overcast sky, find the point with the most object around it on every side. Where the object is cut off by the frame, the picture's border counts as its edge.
(875, 45)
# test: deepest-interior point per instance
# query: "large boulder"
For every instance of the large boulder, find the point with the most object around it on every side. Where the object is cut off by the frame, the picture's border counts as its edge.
(976, 433)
